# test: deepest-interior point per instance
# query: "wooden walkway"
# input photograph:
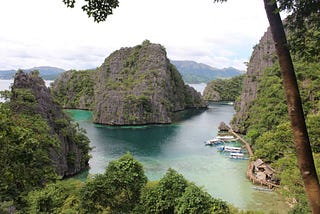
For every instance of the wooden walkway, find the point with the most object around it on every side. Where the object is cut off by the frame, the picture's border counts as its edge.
(248, 147)
(250, 169)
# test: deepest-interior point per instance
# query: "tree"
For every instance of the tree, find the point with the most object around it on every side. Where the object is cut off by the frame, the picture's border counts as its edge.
(194, 200)
(98, 9)
(174, 194)
(24, 153)
(60, 197)
(117, 190)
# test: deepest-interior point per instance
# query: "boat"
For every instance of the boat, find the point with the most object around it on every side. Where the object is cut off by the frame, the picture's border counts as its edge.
(230, 149)
(237, 155)
(226, 137)
(213, 142)
(265, 189)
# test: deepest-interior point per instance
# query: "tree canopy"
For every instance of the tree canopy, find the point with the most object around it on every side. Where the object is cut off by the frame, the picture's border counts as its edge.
(98, 9)
(123, 188)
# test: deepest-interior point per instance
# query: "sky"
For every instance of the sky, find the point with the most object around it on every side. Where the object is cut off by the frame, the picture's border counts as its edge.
(47, 33)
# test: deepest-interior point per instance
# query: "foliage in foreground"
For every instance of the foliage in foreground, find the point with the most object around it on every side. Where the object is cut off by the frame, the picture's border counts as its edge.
(24, 152)
(124, 188)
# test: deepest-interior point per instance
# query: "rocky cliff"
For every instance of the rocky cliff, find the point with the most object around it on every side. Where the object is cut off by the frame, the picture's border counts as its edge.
(139, 85)
(134, 86)
(263, 56)
(30, 96)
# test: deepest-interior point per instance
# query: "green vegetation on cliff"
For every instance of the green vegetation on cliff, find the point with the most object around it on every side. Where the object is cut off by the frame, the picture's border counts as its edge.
(25, 143)
(75, 89)
(38, 143)
(269, 129)
(224, 89)
(263, 111)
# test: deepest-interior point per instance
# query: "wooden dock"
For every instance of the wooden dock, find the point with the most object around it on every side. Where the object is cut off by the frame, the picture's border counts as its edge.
(250, 169)
(247, 145)
(254, 179)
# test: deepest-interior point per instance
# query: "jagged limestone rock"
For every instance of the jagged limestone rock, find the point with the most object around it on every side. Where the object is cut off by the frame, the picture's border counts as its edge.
(71, 156)
(263, 56)
(139, 85)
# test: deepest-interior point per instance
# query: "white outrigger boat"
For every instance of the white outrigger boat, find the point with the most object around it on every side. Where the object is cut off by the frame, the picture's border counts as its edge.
(237, 155)
(213, 142)
(226, 137)
(230, 149)
(262, 189)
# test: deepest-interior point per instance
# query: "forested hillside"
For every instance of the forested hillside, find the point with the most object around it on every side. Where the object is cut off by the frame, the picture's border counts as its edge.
(265, 118)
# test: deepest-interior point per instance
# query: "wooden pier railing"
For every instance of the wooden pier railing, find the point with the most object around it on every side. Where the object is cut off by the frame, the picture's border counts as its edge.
(247, 145)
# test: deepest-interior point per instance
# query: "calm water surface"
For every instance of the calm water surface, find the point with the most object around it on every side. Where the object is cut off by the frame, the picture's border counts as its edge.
(181, 147)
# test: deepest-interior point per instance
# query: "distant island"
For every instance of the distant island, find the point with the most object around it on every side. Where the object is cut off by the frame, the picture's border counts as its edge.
(193, 72)
(46, 72)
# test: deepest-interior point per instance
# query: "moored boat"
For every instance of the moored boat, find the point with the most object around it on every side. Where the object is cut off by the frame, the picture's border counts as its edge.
(226, 137)
(230, 149)
(237, 155)
(213, 142)
(265, 189)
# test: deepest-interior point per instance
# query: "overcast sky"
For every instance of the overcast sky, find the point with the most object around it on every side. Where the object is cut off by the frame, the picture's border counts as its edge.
(46, 33)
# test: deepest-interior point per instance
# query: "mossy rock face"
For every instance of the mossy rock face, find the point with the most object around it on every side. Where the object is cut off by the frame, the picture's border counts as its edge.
(255, 68)
(32, 99)
(139, 85)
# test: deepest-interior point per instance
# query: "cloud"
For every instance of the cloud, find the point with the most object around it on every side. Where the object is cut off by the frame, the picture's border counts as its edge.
(37, 32)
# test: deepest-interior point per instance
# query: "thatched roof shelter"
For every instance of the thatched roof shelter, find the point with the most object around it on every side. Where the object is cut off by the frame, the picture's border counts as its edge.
(259, 165)
(223, 127)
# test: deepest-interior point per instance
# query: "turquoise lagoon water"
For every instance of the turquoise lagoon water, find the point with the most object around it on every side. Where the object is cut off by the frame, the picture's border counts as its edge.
(181, 147)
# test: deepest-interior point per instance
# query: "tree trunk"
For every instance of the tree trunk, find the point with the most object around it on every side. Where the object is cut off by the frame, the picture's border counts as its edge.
(303, 148)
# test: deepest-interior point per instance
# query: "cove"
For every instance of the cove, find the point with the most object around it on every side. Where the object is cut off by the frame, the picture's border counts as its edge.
(180, 146)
